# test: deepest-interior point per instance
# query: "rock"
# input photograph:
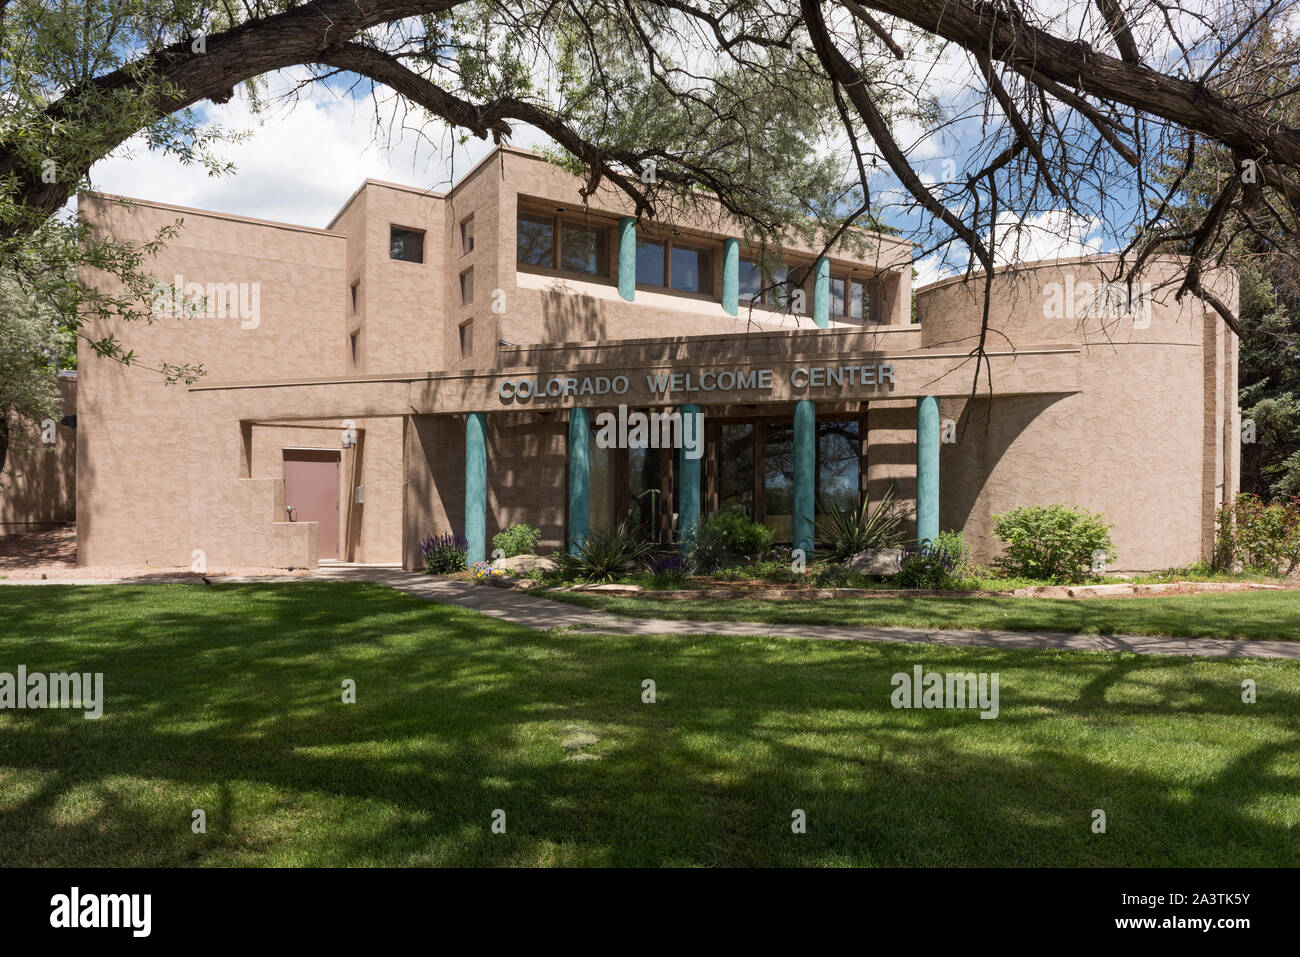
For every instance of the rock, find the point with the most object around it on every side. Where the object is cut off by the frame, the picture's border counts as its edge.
(524, 564)
(877, 561)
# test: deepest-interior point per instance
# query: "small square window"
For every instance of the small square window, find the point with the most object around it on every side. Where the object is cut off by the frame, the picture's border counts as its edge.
(406, 245)
(467, 236)
(467, 339)
(354, 342)
(467, 287)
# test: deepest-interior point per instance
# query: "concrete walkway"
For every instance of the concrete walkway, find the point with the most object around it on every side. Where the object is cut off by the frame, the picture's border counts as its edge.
(542, 613)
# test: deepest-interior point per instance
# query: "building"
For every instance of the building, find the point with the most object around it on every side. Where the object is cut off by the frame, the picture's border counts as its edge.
(433, 363)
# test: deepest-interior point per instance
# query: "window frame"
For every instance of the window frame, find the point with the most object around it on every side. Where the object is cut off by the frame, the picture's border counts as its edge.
(698, 245)
(466, 274)
(767, 283)
(467, 230)
(605, 271)
(465, 335)
(422, 233)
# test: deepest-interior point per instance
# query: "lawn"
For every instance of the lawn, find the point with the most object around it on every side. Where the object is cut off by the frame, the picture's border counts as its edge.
(1270, 615)
(227, 698)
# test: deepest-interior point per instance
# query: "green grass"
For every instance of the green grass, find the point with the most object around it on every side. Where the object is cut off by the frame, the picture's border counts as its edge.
(227, 698)
(1269, 615)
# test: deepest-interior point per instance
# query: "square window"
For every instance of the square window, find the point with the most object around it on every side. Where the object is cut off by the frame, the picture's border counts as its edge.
(467, 339)
(535, 241)
(583, 248)
(467, 287)
(406, 244)
(467, 236)
(690, 272)
(649, 262)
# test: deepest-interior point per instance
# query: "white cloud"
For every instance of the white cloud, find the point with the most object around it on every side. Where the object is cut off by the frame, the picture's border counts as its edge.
(300, 164)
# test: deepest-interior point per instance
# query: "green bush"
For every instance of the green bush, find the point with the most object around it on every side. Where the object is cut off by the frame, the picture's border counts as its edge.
(1053, 543)
(929, 566)
(605, 556)
(830, 576)
(518, 539)
(709, 549)
(742, 535)
(952, 547)
(844, 531)
(444, 555)
(1259, 536)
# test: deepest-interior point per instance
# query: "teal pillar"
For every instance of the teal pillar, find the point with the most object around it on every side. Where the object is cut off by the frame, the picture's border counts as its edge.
(927, 469)
(476, 486)
(731, 276)
(805, 474)
(688, 499)
(627, 258)
(822, 292)
(579, 479)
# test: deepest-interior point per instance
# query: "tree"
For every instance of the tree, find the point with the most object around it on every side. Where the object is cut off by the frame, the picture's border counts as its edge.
(781, 110)
(32, 340)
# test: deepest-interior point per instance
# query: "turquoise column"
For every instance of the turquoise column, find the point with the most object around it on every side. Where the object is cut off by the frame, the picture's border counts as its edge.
(579, 478)
(927, 469)
(805, 474)
(822, 292)
(688, 505)
(731, 276)
(476, 486)
(627, 258)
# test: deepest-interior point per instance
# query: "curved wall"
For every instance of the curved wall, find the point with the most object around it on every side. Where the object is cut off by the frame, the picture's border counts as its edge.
(1150, 440)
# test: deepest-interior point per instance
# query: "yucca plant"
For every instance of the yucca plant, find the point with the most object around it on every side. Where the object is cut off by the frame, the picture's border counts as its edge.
(845, 531)
(605, 556)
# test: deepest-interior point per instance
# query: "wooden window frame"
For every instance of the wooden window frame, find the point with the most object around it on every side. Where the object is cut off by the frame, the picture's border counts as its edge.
(558, 219)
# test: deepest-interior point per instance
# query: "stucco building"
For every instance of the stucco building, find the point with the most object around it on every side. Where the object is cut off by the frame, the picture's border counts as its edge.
(433, 362)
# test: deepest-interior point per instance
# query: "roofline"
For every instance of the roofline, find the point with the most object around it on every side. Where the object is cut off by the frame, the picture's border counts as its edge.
(1094, 258)
(213, 213)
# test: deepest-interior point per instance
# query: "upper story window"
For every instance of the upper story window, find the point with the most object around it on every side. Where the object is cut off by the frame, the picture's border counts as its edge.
(562, 244)
(674, 265)
(776, 289)
(467, 287)
(406, 244)
(856, 305)
(467, 236)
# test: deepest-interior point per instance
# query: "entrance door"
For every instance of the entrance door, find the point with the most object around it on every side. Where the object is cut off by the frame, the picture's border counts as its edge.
(311, 493)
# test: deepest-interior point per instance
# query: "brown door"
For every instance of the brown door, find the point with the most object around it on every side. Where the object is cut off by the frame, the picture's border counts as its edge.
(311, 493)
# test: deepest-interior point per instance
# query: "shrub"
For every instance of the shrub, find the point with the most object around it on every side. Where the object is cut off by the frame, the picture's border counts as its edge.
(741, 535)
(927, 566)
(1052, 542)
(845, 531)
(668, 572)
(1259, 536)
(518, 539)
(953, 547)
(605, 556)
(709, 549)
(445, 554)
(831, 576)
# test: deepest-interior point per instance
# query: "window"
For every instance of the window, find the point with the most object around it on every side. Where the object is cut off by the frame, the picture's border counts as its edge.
(406, 244)
(839, 456)
(467, 236)
(690, 269)
(736, 468)
(354, 341)
(582, 248)
(650, 263)
(751, 281)
(467, 339)
(535, 241)
(837, 297)
(467, 287)
(356, 291)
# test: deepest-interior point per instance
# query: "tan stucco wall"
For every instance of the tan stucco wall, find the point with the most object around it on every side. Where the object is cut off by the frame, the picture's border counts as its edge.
(1142, 441)
(38, 485)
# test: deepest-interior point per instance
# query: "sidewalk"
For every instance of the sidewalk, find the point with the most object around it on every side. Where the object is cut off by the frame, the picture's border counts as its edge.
(542, 613)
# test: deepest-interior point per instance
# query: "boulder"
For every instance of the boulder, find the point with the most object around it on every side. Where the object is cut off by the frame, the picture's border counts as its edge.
(877, 561)
(526, 564)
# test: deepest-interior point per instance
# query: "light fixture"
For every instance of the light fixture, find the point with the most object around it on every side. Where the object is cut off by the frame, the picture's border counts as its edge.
(502, 342)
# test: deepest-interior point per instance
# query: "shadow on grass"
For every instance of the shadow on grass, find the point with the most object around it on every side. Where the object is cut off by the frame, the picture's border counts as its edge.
(228, 698)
